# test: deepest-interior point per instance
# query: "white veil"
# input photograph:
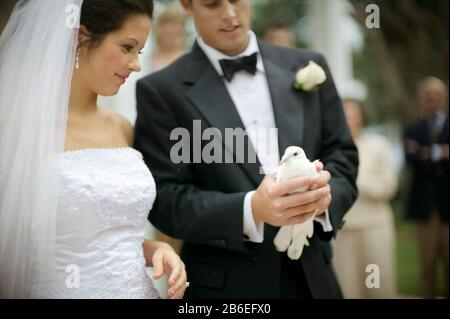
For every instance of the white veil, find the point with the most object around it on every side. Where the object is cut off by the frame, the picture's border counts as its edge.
(37, 53)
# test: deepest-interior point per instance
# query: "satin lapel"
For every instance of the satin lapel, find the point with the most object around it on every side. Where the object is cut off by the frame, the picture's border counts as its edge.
(288, 106)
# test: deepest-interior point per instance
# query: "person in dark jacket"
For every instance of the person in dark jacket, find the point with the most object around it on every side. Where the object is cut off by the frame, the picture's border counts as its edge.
(427, 153)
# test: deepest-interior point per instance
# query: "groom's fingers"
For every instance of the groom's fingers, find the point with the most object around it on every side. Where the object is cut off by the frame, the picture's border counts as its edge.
(300, 219)
(300, 199)
(302, 210)
(289, 186)
(323, 180)
(308, 202)
(319, 165)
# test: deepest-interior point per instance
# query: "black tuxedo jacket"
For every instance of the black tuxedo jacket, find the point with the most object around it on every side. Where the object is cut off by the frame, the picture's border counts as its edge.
(429, 180)
(202, 204)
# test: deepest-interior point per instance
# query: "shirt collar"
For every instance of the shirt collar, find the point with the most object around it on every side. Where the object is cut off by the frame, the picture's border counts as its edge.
(441, 117)
(438, 116)
(215, 55)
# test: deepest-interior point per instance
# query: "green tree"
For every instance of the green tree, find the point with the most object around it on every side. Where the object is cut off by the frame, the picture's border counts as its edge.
(411, 43)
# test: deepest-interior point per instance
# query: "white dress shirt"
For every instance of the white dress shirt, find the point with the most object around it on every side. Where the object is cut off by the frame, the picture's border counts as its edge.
(253, 102)
(437, 153)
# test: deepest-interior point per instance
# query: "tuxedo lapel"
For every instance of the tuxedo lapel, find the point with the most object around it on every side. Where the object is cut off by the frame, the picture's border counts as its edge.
(210, 97)
(288, 104)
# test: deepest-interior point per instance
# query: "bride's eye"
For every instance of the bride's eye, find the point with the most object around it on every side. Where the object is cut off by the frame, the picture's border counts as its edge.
(127, 47)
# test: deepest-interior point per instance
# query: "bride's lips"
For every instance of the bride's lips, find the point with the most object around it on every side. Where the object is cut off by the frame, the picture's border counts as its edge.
(122, 78)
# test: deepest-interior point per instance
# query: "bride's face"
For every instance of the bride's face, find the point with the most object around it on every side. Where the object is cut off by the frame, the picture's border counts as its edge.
(106, 67)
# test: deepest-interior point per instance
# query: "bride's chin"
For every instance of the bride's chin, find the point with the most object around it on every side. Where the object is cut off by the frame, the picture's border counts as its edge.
(110, 92)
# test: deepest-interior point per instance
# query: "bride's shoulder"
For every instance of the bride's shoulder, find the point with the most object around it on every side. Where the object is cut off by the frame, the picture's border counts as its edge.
(121, 123)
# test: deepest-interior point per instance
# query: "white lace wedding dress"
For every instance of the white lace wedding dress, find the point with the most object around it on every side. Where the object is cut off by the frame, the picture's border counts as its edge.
(106, 195)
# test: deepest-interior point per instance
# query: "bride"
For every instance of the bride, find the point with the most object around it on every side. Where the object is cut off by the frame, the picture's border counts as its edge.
(74, 196)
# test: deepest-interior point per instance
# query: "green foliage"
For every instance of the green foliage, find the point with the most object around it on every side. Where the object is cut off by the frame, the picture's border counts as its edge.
(408, 267)
(412, 43)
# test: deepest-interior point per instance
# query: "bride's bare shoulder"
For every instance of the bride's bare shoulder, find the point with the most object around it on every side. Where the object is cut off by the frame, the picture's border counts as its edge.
(121, 123)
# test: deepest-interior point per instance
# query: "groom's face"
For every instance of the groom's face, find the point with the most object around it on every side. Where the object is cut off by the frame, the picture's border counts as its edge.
(222, 24)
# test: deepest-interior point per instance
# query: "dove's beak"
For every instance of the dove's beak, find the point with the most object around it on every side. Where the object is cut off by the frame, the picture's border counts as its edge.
(284, 159)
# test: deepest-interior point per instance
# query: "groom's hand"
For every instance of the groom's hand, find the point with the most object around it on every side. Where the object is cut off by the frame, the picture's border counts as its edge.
(272, 204)
(321, 183)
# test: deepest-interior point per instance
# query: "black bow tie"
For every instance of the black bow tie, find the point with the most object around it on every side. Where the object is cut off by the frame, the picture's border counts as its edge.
(231, 66)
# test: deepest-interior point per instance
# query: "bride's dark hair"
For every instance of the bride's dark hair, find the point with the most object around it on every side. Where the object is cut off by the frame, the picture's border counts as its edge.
(101, 17)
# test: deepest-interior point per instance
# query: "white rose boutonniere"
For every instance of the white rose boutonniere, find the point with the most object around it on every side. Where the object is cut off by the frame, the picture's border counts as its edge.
(309, 77)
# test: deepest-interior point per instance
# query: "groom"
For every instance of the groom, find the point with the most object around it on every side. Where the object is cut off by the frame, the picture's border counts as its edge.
(228, 214)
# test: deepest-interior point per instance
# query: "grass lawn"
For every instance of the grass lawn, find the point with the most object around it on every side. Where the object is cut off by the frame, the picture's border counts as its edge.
(408, 263)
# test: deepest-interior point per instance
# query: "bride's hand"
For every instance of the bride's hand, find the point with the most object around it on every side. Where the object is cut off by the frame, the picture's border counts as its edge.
(166, 261)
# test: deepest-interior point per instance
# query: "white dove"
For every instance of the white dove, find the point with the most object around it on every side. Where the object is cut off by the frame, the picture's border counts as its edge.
(293, 237)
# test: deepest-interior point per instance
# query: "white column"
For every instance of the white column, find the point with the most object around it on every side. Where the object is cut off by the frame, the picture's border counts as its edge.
(333, 34)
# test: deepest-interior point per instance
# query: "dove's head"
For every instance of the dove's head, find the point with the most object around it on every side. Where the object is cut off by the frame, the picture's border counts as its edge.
(293, 153)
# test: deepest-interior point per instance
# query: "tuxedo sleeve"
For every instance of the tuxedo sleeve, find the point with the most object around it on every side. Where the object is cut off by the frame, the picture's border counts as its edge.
(338, 153)
(182, 209)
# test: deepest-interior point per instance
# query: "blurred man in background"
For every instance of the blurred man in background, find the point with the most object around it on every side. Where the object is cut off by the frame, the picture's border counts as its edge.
(427, 153)
(280, 34)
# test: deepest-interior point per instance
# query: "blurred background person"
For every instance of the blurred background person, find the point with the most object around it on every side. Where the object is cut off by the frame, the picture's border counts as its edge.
(427, 153)
(170, 38)
(280, 34)
(368, 235)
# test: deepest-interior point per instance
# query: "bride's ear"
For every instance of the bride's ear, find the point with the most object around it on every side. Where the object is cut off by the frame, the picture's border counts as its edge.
(83, 36)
